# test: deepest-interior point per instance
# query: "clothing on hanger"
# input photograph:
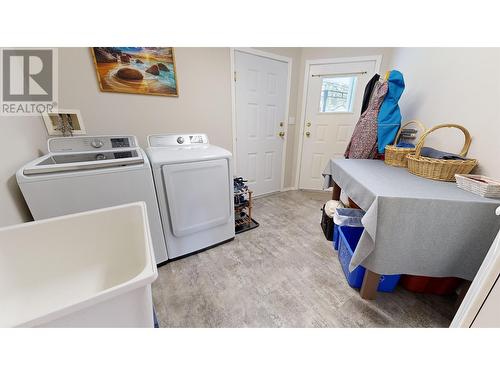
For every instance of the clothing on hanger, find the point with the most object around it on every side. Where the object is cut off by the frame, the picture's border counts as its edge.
(368, 92)
(363, 144)
(389, 117)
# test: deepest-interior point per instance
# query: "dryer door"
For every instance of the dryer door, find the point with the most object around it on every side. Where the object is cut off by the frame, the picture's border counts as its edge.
(198, 195)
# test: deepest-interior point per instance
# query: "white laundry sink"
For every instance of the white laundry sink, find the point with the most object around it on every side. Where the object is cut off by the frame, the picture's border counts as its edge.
(91, 269)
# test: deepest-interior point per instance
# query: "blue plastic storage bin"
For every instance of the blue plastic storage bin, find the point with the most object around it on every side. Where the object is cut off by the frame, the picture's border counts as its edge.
(345, 217)
(348, 240)
(335, 236)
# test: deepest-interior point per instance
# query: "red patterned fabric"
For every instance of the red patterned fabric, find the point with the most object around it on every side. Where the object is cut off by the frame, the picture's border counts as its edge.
(363, 144)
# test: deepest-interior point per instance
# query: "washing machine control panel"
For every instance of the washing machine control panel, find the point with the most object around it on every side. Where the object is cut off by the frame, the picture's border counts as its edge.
(96, 143)
(120, 142)
(197, 138)
(167, 140)
(91, 143)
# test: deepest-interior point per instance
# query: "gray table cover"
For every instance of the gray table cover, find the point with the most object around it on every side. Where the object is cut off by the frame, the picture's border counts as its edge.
(415, 225)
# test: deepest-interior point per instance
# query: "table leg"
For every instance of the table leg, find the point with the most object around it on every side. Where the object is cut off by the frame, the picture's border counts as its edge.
(336, 192)
(370, 285)
(353, 204)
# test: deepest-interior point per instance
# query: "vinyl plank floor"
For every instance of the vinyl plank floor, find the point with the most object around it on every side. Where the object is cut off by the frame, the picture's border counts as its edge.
(282, 274)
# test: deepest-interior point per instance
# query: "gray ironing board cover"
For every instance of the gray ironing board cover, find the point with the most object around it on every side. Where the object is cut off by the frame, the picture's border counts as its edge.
(415, 225)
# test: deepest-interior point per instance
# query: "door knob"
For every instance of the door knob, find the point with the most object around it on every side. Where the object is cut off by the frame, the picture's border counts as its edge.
(308, 124)
(281, 134)
(281, 124)
(308, 134)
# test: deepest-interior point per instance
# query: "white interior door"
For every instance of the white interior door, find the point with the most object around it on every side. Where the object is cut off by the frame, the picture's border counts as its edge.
(333, 105)
(260, 101)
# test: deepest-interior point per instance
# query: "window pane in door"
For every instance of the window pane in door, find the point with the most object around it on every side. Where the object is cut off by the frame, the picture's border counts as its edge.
(337, 94)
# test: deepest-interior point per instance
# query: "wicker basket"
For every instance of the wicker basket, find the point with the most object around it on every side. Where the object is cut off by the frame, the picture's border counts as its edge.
(440, 169)
(396, 156)
(479, 184)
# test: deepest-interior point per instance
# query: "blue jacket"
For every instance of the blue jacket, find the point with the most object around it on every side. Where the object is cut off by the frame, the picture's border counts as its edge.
(389, 115)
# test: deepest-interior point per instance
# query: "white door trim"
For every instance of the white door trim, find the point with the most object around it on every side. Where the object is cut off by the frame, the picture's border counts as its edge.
(308, 64)
(272, 56)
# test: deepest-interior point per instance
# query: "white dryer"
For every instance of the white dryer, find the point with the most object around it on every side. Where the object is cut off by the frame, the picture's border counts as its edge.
(86, 173)
(194, 186)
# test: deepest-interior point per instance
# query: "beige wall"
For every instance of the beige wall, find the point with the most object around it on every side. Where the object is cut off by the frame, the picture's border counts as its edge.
(23, 139)
(451, 85)
(204, 105)
(455, 85)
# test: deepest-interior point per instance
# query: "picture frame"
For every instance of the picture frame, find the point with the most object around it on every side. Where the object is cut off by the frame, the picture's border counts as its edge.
(69, 119)
(136, 70)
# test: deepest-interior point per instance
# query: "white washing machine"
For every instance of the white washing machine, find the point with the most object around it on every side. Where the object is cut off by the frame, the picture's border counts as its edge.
(194, 186)
(86, 173)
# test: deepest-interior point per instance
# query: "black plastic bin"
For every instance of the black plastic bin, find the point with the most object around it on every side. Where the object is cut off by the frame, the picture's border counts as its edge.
(327, 224)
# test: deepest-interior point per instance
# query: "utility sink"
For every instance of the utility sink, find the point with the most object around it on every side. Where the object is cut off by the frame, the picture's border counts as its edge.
(91, 269)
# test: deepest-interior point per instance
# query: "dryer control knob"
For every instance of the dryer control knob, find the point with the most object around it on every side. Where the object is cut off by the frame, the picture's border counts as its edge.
(96, 143)
(180, 140)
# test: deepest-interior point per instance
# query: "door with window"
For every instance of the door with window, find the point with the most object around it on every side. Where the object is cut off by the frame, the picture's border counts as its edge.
(333, 105)
(260, 101)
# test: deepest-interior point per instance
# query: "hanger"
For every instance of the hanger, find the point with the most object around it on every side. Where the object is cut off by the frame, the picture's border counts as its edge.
(386, 77)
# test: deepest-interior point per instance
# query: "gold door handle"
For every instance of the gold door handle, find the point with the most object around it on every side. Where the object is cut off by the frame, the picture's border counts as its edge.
(281, 123)
(308, 134)
(308, 124)
(281, 134)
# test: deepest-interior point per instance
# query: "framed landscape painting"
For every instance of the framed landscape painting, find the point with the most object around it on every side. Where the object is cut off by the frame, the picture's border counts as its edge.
(136, 70)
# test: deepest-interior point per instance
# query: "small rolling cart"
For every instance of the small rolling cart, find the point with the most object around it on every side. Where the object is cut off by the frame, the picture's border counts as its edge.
(243, 204)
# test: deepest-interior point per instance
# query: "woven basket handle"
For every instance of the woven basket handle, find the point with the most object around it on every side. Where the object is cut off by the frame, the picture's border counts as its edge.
(418, 123)
(467, 140)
